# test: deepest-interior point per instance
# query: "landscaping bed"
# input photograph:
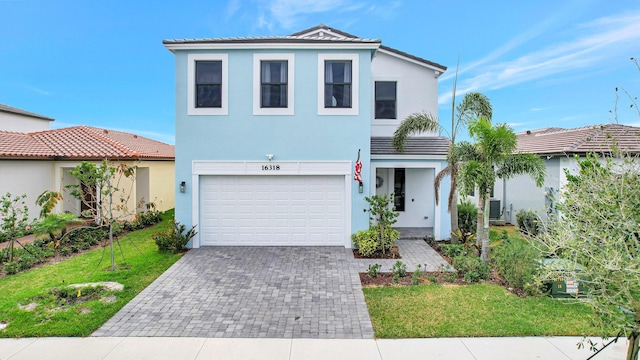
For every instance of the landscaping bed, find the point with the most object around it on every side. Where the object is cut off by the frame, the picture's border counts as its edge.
(39, 302)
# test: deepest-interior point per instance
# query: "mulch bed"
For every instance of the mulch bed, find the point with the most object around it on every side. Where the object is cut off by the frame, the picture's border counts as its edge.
(437, 277)
(377, 255)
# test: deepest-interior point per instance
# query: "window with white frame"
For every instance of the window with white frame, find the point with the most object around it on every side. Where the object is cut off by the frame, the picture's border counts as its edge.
(385, 100)
(338, 84)
(273, 84)
(207, 84)
(273, 90)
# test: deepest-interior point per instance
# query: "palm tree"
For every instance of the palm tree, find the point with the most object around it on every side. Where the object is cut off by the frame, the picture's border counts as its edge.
(491, 156)
(473, 105)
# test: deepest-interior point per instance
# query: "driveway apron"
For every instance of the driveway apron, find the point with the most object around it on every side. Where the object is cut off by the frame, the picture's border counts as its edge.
(251, 292)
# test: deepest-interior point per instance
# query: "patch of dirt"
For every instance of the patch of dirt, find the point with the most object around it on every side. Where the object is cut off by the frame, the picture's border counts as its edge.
(108, 285)
(28, 307)
(108, 299)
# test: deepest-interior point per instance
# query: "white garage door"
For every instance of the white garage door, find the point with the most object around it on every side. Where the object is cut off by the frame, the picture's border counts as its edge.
(272, 210)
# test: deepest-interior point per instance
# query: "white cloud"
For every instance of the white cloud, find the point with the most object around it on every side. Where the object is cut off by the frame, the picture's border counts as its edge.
(602, 38)
(35, 89)
(286, 13)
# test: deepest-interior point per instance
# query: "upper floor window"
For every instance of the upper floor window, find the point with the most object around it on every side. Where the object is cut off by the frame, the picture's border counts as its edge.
(208, 84)
(385, 99)
(273, 84)
(337, 84)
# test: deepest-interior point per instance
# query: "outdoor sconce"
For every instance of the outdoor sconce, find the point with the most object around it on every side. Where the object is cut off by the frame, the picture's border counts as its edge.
(183, 186)
(360, 187)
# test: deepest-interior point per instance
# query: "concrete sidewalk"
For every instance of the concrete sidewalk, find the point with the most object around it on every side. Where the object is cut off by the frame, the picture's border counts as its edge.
(553, 348)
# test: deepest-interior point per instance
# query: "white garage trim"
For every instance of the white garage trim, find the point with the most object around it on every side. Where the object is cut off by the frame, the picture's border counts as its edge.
(270, 168)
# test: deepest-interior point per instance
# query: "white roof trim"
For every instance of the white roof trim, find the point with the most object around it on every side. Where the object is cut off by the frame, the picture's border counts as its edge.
(408, 157)
(272, 46)
(390, 53)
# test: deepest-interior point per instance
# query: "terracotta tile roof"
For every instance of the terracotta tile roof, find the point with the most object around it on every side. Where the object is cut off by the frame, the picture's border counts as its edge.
(14, 110)
(82, 142)
(598, 138)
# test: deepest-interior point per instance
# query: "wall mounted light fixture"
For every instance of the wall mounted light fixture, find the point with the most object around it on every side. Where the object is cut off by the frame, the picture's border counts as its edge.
(270, 156)
(183, 186)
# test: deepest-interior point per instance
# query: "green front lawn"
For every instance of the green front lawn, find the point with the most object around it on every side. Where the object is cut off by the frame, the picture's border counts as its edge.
(141, 265)
(471, 310)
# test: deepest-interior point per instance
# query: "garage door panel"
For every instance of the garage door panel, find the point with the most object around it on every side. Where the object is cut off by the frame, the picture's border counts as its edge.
(272, 210)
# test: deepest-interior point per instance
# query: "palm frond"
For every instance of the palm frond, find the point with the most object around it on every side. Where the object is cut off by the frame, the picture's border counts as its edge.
(519, 164)
(438, 179)
(414, 124)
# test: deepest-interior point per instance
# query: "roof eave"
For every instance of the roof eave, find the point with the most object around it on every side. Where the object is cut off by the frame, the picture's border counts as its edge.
(173, 46)
(412, 58)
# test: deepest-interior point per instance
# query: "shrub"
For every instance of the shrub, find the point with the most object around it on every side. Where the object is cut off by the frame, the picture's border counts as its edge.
(373, 270)
(472, 268)
(366, 241)
(452, 250)
(518, 262)
(467, 216)
(399, 268)
(10, 268)
(528, 222)
(174, 238)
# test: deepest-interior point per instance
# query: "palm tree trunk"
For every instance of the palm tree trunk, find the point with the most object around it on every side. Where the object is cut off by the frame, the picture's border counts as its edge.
(632, 350)
(454, 218)
(485, 233)
(480, 221)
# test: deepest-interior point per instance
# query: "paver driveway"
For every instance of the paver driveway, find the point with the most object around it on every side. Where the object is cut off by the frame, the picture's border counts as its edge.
(273, 292)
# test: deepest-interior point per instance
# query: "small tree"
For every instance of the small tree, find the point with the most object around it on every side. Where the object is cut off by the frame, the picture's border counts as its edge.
(14, 218)
(598, 230)
(383, 215)
(491, 156)
(473, 105)
(103, 193)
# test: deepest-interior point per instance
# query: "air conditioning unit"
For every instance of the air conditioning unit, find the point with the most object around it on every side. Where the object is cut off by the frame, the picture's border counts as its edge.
(494, 209)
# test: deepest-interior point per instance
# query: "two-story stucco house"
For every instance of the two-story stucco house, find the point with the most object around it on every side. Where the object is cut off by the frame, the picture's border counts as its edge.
(269, 129)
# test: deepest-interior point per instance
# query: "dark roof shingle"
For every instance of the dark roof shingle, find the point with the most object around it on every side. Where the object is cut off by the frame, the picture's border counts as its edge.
(14, 110)
(436, 146)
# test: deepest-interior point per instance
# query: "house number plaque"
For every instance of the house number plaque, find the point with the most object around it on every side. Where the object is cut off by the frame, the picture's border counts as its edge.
(270, 167)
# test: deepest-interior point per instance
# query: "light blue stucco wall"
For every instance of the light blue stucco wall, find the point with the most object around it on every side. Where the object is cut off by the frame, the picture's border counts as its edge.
(242, 136)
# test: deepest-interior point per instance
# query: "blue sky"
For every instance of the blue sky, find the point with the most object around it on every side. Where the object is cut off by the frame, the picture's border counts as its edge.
(542, 63)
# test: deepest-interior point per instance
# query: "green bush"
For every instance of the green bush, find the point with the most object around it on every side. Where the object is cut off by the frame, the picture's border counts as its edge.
(373, 270)
(452, 250)
(528, 222)
(174, 238)
(10, 268)
(472, 268)
(367, 240)
(517, 261)
(467, 216)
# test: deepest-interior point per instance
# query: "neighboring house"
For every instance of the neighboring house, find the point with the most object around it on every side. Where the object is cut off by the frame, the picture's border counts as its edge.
(268, 131)
(33, 162)
(14, 119)
(558, 148)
